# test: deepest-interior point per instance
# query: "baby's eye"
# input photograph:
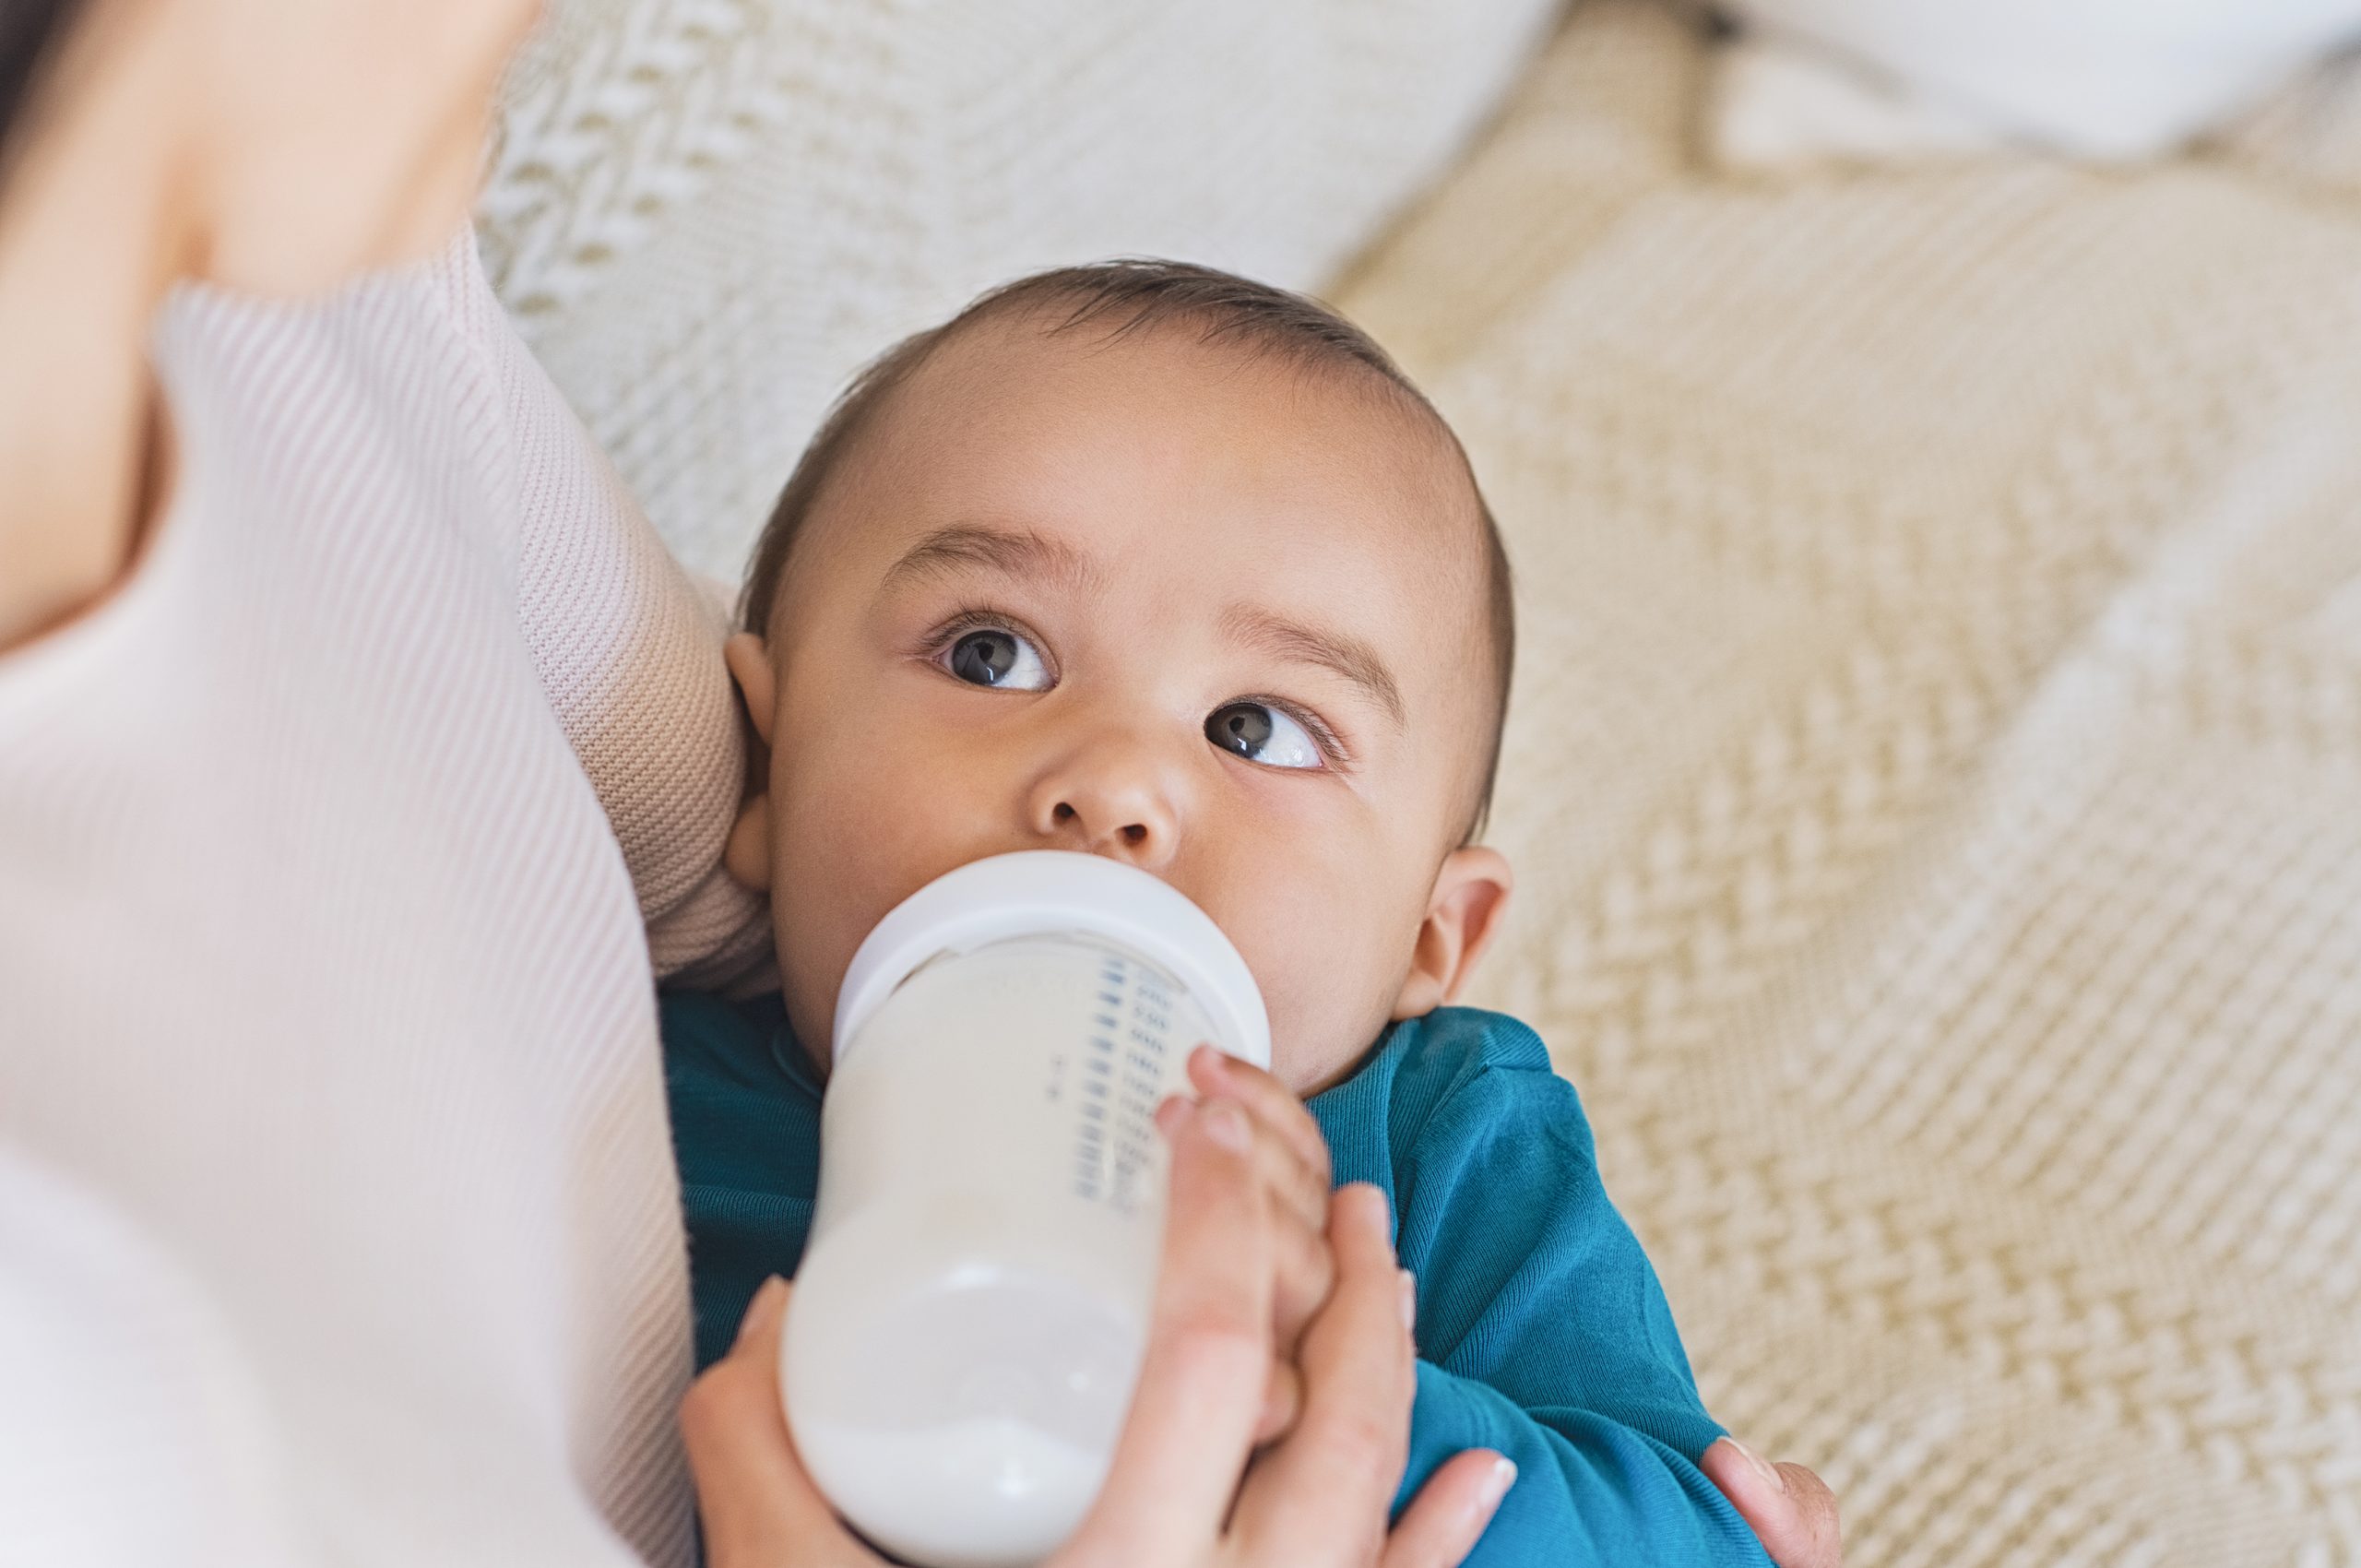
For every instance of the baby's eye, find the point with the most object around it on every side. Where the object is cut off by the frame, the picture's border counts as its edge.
(1262, 734)
(991, 656)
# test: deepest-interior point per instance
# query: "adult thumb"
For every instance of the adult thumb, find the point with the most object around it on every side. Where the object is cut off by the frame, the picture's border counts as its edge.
(1790, 1509)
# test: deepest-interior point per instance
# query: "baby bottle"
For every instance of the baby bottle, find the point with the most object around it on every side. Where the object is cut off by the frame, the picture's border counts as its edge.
(973, 1305)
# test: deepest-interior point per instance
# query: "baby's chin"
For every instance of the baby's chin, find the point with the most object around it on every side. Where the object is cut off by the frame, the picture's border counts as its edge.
(1308, 1057)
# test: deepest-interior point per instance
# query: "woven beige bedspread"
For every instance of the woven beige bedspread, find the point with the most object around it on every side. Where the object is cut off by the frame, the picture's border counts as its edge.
(1935, 772)
(1935, 776)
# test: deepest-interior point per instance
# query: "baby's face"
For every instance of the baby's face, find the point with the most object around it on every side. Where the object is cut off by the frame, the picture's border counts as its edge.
(1176, 604)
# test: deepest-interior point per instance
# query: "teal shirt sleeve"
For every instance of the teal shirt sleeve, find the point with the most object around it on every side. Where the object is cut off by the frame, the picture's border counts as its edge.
(1589, 1489)
(745, 1104)
(1542, 1330)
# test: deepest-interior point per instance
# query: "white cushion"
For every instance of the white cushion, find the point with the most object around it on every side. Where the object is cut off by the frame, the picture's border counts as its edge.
(2102, 79)
(1780, 103)
(708, 213)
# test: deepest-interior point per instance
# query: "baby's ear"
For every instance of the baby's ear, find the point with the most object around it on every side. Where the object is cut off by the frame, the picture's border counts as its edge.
(749, 658)
(1464, 914)
(747, 855)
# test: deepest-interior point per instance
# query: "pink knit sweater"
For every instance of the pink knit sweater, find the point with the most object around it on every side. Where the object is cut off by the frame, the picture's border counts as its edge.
(337, 1219)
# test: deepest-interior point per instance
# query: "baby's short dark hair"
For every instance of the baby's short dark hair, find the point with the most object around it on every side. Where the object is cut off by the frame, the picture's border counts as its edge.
(1137, 294)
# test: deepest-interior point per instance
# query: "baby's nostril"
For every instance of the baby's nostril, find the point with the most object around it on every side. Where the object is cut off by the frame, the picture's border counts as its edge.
(1063, 813)
(1134, 835)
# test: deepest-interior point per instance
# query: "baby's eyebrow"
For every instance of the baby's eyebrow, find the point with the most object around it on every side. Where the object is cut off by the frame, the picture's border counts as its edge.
(1354, 659)
(1015, 553)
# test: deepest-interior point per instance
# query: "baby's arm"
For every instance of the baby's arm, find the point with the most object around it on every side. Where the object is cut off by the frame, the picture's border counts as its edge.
(1543, 1333)
(629, 650)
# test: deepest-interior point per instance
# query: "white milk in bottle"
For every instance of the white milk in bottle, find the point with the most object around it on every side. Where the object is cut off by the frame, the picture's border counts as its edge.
(973, 1305)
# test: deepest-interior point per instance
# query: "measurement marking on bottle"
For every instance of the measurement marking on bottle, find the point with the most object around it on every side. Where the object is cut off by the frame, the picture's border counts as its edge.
(1128, 1025)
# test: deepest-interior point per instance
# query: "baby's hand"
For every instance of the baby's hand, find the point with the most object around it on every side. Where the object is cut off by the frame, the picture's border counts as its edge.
(1292, 1159)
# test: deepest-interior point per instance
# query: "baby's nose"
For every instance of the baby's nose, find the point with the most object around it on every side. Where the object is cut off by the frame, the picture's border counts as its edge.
(1133, 834)
(1112, 799)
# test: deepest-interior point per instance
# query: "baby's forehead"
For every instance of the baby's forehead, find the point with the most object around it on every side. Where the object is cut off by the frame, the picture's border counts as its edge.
(1172, 422)
(1263, 407)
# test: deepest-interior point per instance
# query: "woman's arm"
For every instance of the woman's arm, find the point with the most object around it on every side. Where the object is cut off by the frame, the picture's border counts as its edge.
(629, 652)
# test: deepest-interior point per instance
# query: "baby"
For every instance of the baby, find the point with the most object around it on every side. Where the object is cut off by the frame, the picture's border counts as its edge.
(1154, 563)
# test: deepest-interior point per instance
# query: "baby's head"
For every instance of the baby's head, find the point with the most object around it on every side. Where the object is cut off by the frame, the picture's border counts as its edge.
(1148, 561)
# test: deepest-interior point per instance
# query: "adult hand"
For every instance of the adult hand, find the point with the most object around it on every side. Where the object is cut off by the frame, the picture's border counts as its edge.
(1791, 1510)
(1316, 1500)
(1292, 1157)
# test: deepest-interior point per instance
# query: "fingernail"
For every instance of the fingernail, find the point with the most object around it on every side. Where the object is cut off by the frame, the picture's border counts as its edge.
(1501, 1477)
(763, 1298)
(1761, 1466)
(1225, 1125)
(1409, 1285)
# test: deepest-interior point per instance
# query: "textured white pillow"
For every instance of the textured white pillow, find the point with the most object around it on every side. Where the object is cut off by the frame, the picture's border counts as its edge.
(707, 212)
(2102, 79)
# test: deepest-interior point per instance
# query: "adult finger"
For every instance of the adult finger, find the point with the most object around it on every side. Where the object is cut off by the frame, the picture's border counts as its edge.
(1322, 1496)
(756, 1503)
(1282, 1403)
(1191, 1422)
(1304, 1271)
(1790, 1509)
(1445, 1520)
(1304, 1277)
(1300, 1192)
(1273, 1104)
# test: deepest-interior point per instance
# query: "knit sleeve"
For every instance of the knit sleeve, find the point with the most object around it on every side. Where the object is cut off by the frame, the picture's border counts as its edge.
(629, 652)
(1542, 1333)
(1589, 1490)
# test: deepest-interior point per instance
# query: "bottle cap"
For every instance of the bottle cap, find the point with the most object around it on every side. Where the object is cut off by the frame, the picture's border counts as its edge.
(1045, 892)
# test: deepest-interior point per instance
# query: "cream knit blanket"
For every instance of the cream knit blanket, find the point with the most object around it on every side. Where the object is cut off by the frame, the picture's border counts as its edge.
(1936, 767)
(1936, 777)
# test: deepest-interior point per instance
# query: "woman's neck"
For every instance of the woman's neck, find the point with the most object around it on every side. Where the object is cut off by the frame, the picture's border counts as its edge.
(90, 240)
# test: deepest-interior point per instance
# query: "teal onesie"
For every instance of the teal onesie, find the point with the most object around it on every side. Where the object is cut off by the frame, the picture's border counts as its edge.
(1542, 1332)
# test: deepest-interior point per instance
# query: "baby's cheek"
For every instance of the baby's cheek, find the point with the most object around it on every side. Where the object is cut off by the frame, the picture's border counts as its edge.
(837, 861)
(1329, 965)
